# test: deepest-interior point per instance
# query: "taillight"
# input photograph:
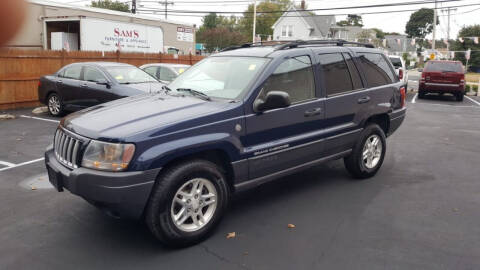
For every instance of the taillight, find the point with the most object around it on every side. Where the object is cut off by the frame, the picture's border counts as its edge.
(403, 96)
(39, 83)
(400, 74)
(462, 79)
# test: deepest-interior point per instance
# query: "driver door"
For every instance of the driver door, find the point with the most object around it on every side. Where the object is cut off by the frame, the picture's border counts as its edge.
(282, 138)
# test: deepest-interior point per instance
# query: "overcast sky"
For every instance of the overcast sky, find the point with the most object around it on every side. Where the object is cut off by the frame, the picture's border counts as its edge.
(391, 22)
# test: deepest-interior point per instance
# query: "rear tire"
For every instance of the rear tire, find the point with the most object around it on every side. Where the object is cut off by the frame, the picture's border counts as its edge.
(421, 94)
(187, 202)
(55, 105)
(459, 97)
(368, 153)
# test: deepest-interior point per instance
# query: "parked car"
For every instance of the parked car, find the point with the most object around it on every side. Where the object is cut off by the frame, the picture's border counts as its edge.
(82, 85)
(400, 68)
(233, 121)
(165, 73)
(443, 77)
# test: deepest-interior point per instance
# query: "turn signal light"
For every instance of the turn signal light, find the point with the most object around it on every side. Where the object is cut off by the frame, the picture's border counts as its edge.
(400, 74)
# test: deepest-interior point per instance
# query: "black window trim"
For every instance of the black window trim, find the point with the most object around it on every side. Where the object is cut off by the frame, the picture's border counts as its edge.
(314, 73)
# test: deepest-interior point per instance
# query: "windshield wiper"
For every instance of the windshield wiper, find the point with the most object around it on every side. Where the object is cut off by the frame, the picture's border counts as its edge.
(195, 93)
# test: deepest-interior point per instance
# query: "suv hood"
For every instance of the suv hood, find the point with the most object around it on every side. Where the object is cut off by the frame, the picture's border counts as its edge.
(117, 120)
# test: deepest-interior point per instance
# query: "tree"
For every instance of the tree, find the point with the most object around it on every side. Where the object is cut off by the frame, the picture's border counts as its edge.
(352, 20)
(265, 21)
(419, 26)
(218, 32)
(109, 4)
(468, 31)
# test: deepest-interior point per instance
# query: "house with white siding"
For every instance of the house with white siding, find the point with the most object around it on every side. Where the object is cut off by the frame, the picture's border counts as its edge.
(297, 24)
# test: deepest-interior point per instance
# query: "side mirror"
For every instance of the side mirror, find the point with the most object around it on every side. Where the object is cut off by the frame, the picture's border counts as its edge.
(103, 82)
(273, 100)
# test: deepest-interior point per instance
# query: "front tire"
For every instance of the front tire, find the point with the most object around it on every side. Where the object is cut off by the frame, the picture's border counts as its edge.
(368, 153)
(187, 203)
(55, 105)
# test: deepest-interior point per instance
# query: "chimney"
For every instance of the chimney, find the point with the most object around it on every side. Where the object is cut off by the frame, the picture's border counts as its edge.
(302, 5)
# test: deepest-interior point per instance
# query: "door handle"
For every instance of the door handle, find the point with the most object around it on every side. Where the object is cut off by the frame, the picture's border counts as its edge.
(313, 112)
(59, 81)
(363, 100)
(84, 85)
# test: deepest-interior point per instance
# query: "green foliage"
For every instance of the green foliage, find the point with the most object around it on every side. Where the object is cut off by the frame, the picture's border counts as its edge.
(113, 5)
(265, 21)
(475, 88)
(379, 33)
(352, 20)
(218, 32)
(467, 88)
(467, 31)
(420, 23)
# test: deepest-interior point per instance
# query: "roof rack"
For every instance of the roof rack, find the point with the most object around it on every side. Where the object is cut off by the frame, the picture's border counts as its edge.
(336, 42)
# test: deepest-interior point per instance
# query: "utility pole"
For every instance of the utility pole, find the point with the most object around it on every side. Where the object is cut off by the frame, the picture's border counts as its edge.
(134, 6)
(166, 3)
(448, 10)
(254, 19)
(434, 26)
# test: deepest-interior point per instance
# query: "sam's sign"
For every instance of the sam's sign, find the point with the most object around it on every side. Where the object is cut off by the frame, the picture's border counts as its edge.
(104, 35)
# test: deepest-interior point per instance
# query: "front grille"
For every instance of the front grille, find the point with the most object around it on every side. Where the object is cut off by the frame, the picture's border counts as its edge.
(67, 148)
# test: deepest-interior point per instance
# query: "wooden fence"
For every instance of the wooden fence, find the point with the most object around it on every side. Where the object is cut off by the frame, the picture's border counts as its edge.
(20, 70)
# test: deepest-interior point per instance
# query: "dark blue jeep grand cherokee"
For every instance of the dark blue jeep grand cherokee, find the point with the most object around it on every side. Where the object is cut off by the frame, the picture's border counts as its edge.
(235, 120)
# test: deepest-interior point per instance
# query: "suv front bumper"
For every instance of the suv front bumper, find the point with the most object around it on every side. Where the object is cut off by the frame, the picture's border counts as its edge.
(120, 194)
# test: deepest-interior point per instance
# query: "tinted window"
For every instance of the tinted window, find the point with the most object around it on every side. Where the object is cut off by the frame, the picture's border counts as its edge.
(444, 66)
(167, 75)
(376, 68)
(92, 75)
(73, 72)
(397, 63)
(151, 70)
(294, 76)
(335, 73)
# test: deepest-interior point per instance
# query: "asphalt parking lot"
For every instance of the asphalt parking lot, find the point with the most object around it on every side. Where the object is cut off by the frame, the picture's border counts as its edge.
(421, 211)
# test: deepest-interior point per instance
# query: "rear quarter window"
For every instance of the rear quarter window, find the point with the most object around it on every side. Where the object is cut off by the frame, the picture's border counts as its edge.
(376, 68)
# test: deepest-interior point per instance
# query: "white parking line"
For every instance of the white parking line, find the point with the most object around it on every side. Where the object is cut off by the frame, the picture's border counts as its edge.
(8, 164)
(21, 164)
(473, 100)
(38, 118)
(414, 98)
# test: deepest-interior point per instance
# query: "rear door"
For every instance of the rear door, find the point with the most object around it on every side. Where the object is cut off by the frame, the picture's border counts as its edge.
(347, 100)
(68, 86)
(94, 93)
(279, 139)
(440, 72)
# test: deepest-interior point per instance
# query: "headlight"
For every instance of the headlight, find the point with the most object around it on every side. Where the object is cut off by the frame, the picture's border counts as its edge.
(108, 156)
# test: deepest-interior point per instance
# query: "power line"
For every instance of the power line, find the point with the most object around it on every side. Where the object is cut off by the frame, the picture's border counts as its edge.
(193, 14)
(323, 9)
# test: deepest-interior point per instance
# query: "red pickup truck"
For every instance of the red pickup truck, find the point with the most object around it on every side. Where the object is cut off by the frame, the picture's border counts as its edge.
(443, 77)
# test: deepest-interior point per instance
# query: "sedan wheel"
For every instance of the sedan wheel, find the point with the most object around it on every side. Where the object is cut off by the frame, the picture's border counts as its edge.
(54, 105)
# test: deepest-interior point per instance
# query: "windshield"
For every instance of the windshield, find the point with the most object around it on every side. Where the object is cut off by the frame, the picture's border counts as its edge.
(397, 63)
(180, 70)
(127, 75)
(444, 66)
(222, 77)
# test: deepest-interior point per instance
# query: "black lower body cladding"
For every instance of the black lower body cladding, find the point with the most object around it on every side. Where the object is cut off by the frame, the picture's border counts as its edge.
(120, 194)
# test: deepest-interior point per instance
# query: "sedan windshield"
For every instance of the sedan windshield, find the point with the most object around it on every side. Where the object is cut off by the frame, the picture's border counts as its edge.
(128, 75)
(221, 77)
